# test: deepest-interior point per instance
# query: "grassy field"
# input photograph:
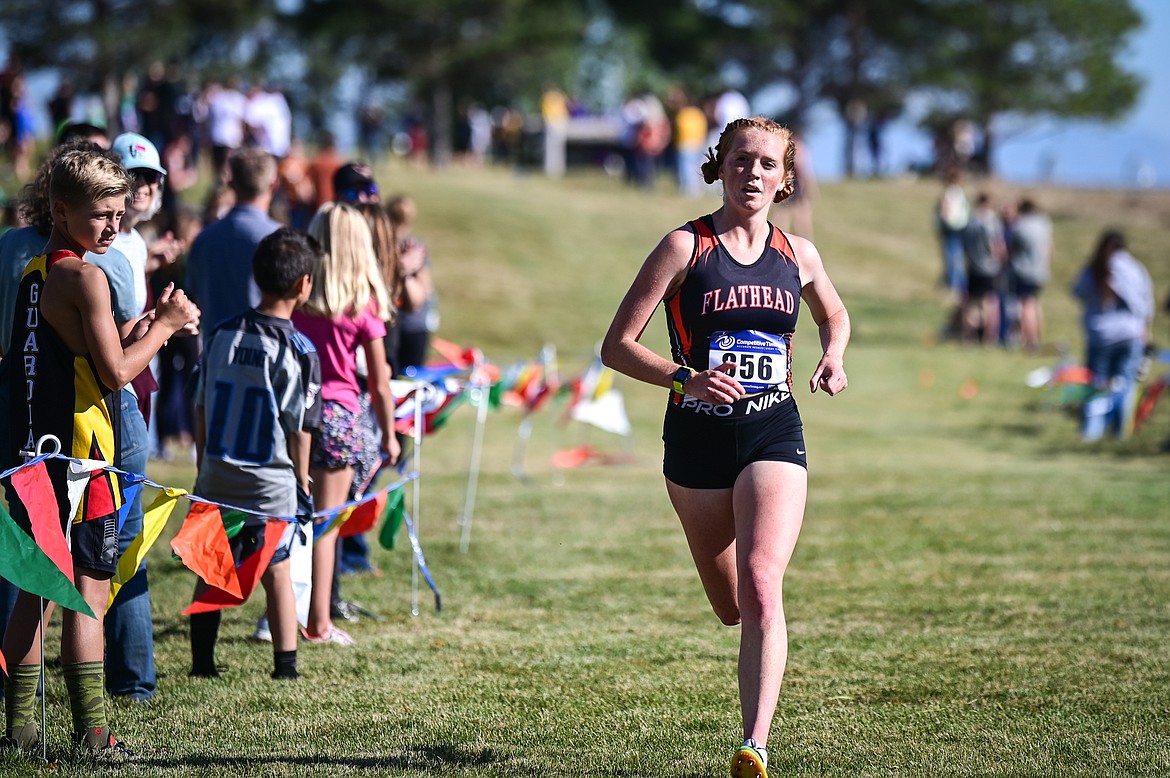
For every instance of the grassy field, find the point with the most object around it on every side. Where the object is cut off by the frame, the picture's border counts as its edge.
(975, 592)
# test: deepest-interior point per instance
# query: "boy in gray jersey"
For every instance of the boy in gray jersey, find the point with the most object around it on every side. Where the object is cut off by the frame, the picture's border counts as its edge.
(257, 398)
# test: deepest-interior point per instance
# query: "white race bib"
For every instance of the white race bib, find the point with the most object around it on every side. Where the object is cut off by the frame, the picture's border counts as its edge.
(760, 359)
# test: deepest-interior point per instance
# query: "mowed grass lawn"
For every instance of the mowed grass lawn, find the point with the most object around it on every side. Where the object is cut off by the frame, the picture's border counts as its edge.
(975, 592)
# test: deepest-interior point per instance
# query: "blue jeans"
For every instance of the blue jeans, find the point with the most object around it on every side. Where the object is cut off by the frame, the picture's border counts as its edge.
(954, 260)
(130, 670)
(1114, 367)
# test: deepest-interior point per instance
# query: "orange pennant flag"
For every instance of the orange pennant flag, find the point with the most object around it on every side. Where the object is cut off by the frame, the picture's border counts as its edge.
(203, 546)
(248, 573)
(364, 516)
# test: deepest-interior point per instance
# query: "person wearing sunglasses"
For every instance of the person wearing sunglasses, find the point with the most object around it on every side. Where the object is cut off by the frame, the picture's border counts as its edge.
(130, 667)
(354, 183)
(141, 160)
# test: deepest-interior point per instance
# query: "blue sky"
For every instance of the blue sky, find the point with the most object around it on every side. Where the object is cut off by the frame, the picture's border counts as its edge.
(1077, 153)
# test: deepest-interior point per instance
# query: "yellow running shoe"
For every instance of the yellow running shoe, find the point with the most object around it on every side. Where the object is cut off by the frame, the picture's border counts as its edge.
(750, 761)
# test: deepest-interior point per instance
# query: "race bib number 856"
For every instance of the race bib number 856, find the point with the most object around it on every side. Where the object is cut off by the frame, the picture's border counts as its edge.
(760, 359)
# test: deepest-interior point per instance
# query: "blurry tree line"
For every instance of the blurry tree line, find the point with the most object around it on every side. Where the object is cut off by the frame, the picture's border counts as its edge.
(973, 60)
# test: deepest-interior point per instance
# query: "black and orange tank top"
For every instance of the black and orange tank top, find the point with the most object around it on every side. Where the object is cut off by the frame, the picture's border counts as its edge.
(744, 312)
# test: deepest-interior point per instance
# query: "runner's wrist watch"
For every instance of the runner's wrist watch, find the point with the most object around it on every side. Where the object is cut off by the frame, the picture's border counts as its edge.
(681, 376)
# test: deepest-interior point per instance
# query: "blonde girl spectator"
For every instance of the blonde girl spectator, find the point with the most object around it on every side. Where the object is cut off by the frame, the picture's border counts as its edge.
(346, 311)
(353, 552)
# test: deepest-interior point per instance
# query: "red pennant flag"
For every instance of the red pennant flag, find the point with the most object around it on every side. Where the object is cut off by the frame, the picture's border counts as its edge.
(364, 516)
(456, 355)
(100, 495)
(248, 573)
(36, 493)
(203, 546)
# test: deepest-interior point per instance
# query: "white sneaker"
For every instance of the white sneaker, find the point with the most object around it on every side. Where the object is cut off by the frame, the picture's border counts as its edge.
(333, 635)
(262, 634)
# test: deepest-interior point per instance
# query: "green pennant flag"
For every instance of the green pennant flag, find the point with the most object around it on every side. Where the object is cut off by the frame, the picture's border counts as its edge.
(28, 567)
(392, 517)
(496, 396)
(233, 522)
(441, 416)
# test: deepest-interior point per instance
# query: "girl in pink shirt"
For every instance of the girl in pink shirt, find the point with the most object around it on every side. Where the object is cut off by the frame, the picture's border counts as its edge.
(347, 311)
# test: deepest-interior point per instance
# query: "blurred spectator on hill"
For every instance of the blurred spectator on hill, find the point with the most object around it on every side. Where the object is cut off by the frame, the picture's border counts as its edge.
(795, 214)
(951, 215)
(128, 102)
(418, 138)
(723, 108)
(371, 122)
(155, 104)
(874, 140)
(296, 196)
(508, 135)
(71, 131)
(473, 135)
(224, 108)
(648, 135)
(986, 253)
(323, 167)
(60, 105)
(182, 174)
(1117, 296)
(729, 106)
(690, 138)
(17, 126)
(554, 105)
(174, 416)
(1030, 256)
(268, 120)
(1009, 304)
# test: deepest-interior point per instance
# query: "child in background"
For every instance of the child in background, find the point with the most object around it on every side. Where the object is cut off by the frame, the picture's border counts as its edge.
(66, 382)
(420, 305)
(347, 309)
(257, 395)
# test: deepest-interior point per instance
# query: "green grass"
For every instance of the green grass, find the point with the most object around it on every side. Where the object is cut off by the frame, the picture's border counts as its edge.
(974, 592)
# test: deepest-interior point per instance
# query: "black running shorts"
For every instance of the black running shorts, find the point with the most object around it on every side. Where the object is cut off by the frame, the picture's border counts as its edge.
(707, 447)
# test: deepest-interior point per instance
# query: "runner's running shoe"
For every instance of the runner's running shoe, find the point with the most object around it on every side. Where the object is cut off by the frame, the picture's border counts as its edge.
(750, 761)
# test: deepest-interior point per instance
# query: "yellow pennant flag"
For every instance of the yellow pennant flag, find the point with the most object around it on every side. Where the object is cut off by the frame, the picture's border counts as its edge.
(154, 519)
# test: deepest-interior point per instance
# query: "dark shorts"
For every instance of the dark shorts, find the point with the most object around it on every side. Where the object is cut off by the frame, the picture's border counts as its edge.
(93, 544)
(1025, 289)
(979, 286)
(707, 450)
(250, 539)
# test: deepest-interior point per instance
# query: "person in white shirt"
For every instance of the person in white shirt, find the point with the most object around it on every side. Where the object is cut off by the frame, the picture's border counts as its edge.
(269, 120)
(225, 105)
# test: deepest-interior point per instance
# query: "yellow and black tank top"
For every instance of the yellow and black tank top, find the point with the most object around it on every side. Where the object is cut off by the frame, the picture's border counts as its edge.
(53, 391)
